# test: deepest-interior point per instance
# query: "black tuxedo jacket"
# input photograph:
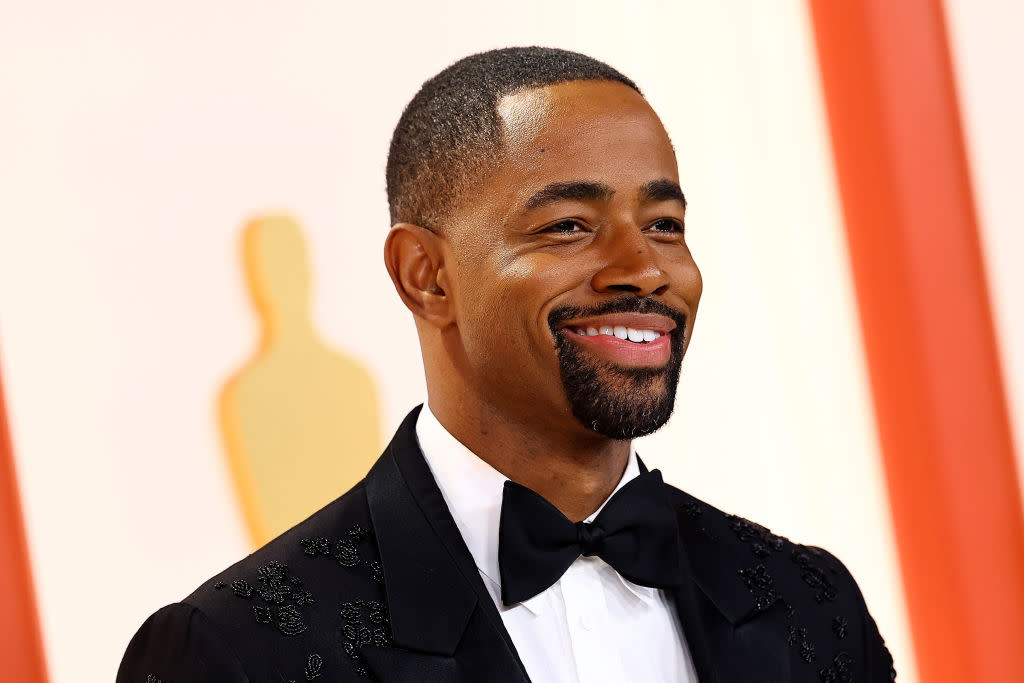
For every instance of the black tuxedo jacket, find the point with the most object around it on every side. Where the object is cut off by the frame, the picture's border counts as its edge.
(380, 584)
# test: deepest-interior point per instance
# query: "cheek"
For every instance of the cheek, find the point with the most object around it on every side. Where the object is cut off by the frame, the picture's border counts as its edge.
(542, 275)
(687, 281)
(694, 284)
(503, 307)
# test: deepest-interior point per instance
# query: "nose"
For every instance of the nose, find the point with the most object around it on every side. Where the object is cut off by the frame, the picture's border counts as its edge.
(629, 264)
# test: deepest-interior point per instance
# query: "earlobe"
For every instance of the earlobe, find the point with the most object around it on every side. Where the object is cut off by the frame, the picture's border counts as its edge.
(415, 261)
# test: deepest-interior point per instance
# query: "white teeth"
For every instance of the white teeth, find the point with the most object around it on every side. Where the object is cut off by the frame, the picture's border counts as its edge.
(620, 331)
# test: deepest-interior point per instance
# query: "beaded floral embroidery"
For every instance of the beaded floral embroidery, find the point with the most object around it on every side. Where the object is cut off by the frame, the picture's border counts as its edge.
(761, 585)
(840, 671)
(277, 597)
(798, 638)
(813, 575)
(363, 622)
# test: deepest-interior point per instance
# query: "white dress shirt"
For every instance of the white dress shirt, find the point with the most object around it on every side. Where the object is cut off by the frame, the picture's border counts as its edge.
(592, 625)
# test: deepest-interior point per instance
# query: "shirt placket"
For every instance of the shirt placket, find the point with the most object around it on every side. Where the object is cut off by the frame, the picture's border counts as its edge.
(595, 653)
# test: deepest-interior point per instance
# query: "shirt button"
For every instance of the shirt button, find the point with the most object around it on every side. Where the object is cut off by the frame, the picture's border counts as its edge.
(586, 623)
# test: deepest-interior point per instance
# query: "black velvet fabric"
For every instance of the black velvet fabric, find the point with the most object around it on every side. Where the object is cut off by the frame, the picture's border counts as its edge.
(379, 585)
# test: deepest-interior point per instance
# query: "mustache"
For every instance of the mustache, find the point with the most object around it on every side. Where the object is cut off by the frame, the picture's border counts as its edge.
(627, 303)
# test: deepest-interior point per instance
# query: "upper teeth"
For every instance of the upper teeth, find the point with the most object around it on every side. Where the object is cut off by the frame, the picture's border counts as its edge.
(620, 331)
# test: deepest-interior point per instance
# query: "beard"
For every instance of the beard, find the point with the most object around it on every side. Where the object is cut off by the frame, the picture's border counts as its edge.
(612, 400)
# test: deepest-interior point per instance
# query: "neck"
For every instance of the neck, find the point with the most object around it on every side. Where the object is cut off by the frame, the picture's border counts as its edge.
(574, 471)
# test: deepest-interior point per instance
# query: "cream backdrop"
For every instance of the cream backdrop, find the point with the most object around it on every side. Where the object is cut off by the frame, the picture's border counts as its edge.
(138, 138)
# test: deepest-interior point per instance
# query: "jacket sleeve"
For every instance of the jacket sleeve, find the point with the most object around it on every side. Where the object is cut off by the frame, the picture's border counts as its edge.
(877, 662)
(179, 644)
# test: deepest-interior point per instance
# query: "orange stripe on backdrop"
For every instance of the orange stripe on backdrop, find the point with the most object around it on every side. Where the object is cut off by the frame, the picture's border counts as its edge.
(928, 333)
(21, 647)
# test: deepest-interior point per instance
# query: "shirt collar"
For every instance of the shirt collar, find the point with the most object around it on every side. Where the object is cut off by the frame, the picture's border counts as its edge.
(473, 492)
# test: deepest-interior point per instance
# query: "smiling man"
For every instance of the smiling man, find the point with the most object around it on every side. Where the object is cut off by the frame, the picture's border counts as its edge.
(510, 532)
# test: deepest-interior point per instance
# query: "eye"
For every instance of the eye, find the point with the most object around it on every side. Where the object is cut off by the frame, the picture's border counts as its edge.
(566, 227)
(666, 225)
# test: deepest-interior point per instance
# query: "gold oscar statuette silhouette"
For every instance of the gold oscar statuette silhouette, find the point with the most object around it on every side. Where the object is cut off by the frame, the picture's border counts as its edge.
(300, 420)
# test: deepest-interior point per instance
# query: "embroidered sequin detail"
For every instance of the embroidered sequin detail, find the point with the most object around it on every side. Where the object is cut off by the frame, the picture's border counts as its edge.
(377, 571)
(241, 588)
(314, 667)
(315, 546)
(274, 584)
(363, 622)
(798, 638)
(153, 679)
(813, 575)
(347, 554)
(219, 585)
(302, 597)
(839, 625)
(840, 671)
(277, 597)
(344, 551)
(762, 541)
(350, 611)
(761, 585)
(289, 621)
(693, 510)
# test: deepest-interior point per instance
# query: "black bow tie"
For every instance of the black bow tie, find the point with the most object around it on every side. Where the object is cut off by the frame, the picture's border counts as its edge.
(636, 533)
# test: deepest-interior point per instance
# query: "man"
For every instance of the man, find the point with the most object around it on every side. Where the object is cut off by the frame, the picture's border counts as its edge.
(509, 532)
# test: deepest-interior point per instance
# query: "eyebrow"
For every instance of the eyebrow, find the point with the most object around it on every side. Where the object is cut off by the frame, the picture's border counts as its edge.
(662, 190)
(579, 190)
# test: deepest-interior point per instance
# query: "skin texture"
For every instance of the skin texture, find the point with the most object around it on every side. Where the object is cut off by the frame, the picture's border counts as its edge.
(482, 286)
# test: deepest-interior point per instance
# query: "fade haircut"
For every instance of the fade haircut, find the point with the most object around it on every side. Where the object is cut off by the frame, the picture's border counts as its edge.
(450, 133)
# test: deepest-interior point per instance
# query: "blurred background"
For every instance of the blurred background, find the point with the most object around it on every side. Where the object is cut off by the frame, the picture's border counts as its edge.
(140, 141)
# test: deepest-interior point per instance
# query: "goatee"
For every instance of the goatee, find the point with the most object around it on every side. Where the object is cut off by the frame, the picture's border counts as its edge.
(616, 401)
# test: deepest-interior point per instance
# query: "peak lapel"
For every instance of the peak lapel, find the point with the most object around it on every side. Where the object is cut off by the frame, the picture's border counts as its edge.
(729, 638)
(429, 603)
(437, 602)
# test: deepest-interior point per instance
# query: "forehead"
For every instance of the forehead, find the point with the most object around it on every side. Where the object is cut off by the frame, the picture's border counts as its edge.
(581, 130)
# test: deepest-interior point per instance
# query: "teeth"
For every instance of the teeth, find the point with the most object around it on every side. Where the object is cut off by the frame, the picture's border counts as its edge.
(619, 331)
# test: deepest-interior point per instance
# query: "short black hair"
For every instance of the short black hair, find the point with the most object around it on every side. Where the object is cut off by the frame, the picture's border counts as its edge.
(451, 130)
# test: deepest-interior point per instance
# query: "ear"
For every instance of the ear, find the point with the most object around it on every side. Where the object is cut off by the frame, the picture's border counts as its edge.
(415, 261)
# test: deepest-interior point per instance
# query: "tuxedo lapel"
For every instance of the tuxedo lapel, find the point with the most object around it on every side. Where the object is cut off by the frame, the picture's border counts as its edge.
(698, 624)
(723, 627)
(437, 603)
(394, 664)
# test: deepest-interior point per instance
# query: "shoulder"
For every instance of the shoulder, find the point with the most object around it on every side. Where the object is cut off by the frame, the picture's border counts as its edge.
(334, 541)
(281, 611)
(814, 600)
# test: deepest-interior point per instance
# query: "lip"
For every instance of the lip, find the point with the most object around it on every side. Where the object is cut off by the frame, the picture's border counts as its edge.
(625, 353)
(622, 352)
(638, 321)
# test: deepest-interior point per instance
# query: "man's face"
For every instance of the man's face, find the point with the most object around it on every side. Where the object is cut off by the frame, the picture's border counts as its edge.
(574, 242)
